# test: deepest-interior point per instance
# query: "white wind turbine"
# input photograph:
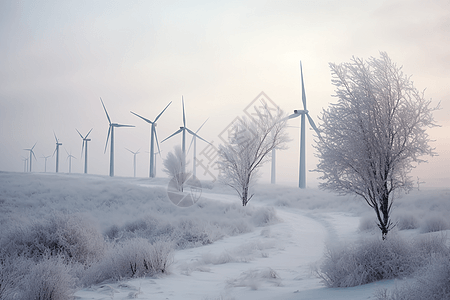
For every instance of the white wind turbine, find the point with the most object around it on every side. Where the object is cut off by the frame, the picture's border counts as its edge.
(183, 130)
(45, 165)
(69, 157)
(57, 152)
(153, 136)
(85, 147)
(134, 159)
(31, 154)
(194, 140)
(302, 113)
(111, 132)
(25, 164)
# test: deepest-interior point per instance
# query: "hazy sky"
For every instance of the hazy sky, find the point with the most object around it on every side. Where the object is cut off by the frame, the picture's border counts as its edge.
(57, 58)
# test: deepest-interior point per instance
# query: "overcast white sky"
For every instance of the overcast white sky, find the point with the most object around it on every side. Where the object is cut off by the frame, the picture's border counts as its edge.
(57, 58)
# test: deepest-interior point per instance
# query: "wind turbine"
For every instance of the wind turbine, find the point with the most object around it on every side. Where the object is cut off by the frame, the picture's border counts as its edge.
(85, 142)
(302, 113)
(25, 164)
(111, 131)
(69, 157)
(134, 159)
(57, 151)
(45, 157)
(31, 154)
(194, 140)
(183, 130)
(153, 135)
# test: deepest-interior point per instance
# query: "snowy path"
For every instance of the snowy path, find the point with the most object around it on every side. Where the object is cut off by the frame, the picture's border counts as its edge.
(272, 262)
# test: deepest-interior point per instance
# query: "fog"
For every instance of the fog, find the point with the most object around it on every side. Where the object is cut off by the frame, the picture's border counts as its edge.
(58, 58)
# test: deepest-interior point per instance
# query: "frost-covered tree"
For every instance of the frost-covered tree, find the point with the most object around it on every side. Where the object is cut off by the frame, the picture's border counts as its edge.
(174, 164)
(249, 147)
(374, 135)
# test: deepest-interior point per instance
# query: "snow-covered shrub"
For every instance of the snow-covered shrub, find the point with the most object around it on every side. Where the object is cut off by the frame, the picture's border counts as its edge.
(11, 269)
(432, 282)
(70, 236)
(47, 280)
(130, 259)
(254, 279)
(407, 221)
(365, 262)
(264, 216)
(434, 223)
(367, 223)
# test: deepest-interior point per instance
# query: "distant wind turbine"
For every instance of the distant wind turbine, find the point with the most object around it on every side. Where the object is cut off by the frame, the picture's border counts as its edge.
(45, 165)
(134, 159)
(153, 135)
(194, 140)
(85, 147)
(111, 132)
(302, 113)
(57, 152)
(69, 157)
(31, 154)
(25, 164)
(183, 130)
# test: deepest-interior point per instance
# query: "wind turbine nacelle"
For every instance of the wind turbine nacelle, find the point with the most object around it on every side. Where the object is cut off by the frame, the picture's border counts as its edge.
(87, 140)
(300, 111)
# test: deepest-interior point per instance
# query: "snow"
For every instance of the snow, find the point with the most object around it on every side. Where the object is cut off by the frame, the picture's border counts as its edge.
(269, 262)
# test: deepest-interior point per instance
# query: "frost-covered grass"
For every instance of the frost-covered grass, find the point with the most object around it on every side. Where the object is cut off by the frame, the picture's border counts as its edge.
(61, 231)
(95, 233)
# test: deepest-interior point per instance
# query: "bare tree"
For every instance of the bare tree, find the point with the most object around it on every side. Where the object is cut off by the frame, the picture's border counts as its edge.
(376, 133)
(250, 145)
(174, 164)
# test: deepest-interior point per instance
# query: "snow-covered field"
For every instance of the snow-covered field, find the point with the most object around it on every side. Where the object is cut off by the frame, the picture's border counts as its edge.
(267, 250)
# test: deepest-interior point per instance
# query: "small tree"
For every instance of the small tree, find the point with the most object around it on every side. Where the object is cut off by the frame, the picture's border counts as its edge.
(250, 145)
(173, 166)
(371, 139)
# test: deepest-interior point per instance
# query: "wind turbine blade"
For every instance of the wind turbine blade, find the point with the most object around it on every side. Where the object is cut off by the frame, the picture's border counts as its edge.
(121, 125)
(129, 150)
(184, 117)
(109, 120)
(156, 119)
(55, 137)
(32, 152)
(107, 138)
(293, 116)
(201, 126)
(88, 133)
(176, 132)
(54, 152)
(66, 151)
(313, 125)
(33, 147)
(145, 119)
(157, 144)
(82, 148)
(193, 133)
(189, 149)
(79, 133)
(303, 88)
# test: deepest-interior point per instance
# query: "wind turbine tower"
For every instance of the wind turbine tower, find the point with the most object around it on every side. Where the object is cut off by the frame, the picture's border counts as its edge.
(194, 140)
(111, 132)
(57, 152)
(45, 165)
(69, 157)
(85, 147)
(303, 113)
(31, 154)
(153, 136)
(134, 159)
(183, 130)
